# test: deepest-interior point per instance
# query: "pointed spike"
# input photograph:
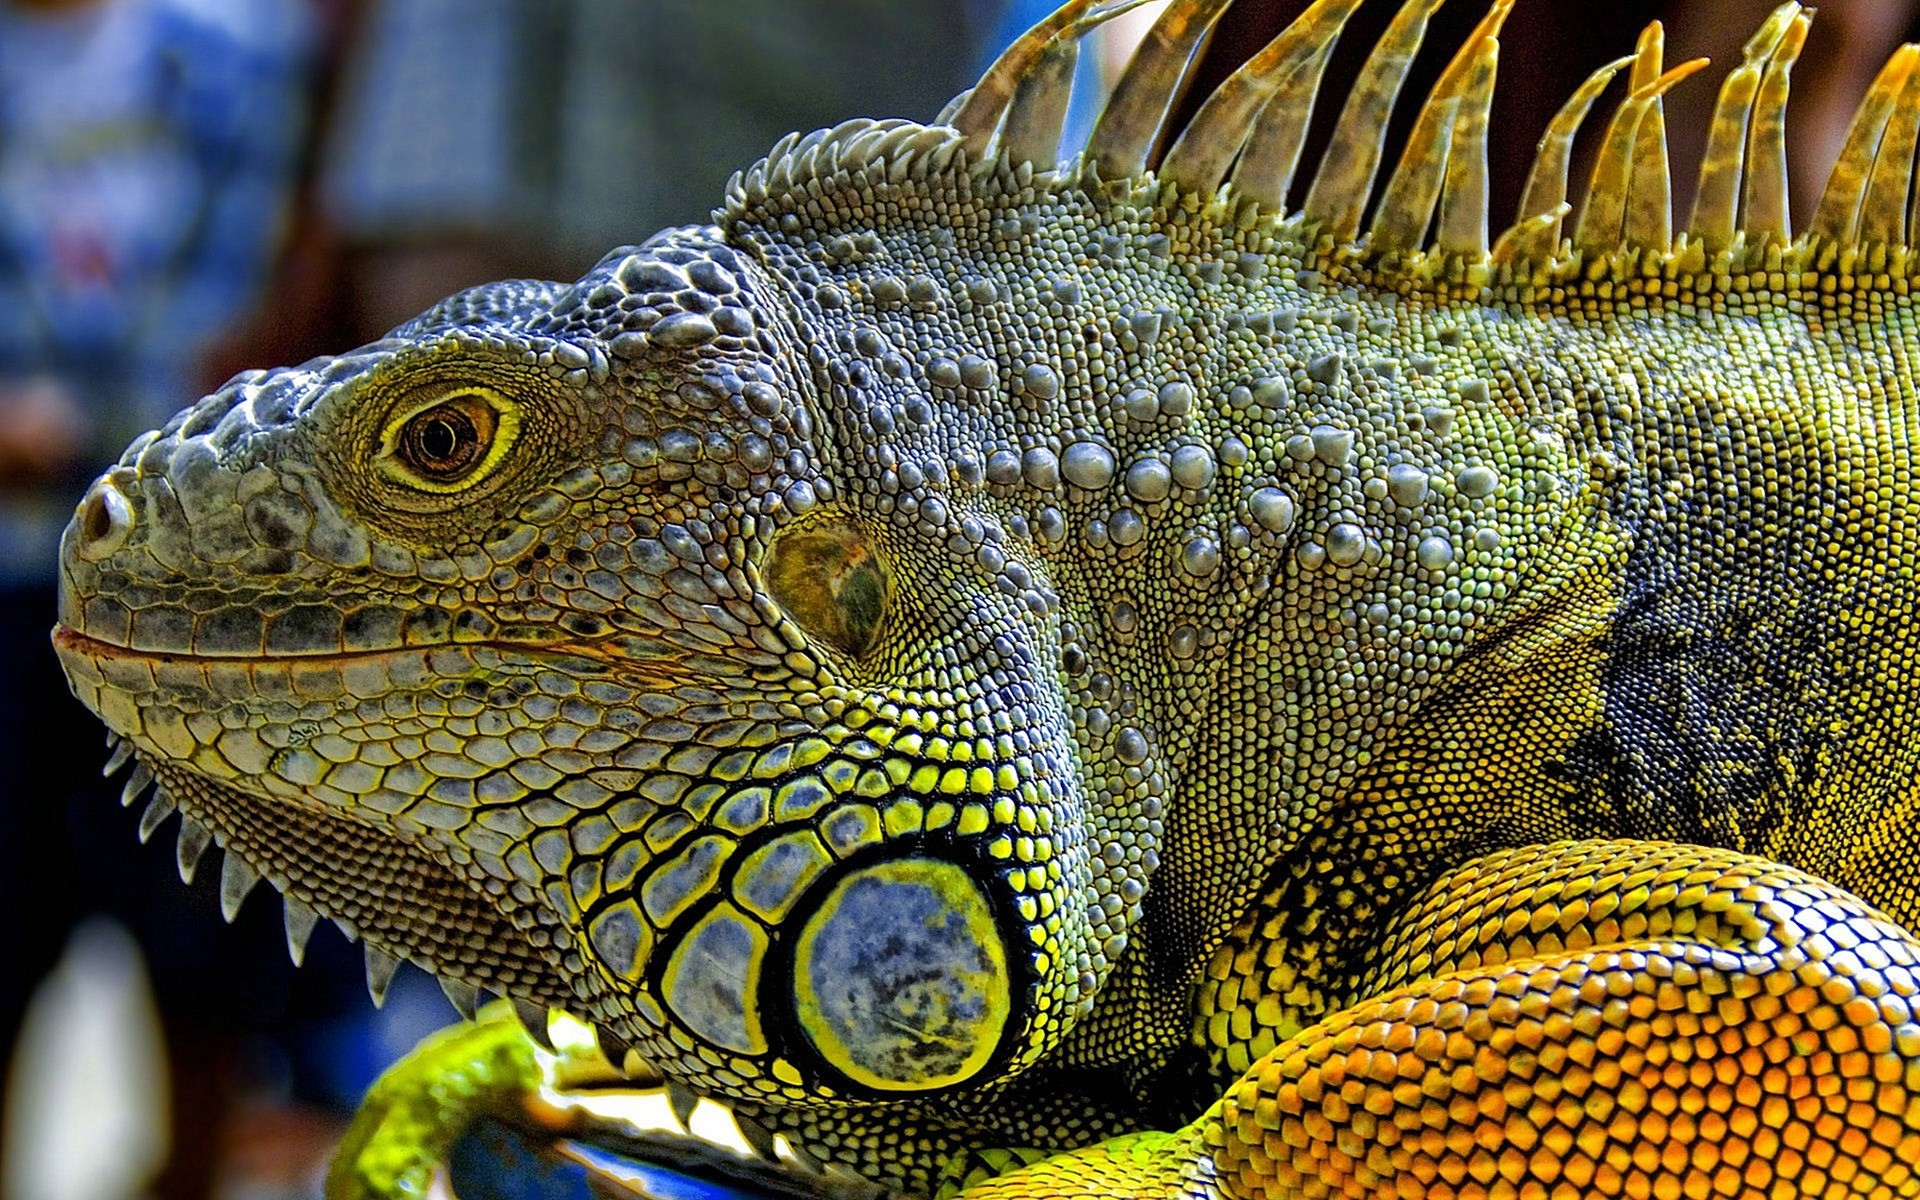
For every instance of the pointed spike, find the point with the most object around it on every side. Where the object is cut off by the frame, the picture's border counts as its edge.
(1265, 170)
(236, 880)
(1883, 211)
(612, 1047)
(1602, 224)
(1344, 183)
(1536, 239)
(799, 1156)
(986, 103)
(1407, 204)
(951, 109)
(681, 1099)
(640, 1074)
(1129, 125)
(158, 810)
(757, 1136)
(137, 783)
(464, 997)
(840, 1170)
(533, 1019)
(1913, 212)
(1406, 207)
(1647, 219)
(1031, 133)
(1547, 183)
(300, 921)
(1464, 200)
(1649, 57)
(1716, 201)
(117, 757)
(1199, 159)
(194, 840)
(1105, 12)
(380, 969)
(1837, 219)
(1765, 211)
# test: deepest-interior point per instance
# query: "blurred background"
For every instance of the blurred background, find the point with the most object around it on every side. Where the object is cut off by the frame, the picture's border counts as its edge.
(191, 187)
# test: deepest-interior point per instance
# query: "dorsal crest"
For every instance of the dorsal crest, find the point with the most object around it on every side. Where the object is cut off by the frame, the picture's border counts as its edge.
(1426, 218)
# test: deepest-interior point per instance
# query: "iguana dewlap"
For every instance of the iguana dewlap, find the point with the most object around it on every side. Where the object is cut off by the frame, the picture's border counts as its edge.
(977, 653)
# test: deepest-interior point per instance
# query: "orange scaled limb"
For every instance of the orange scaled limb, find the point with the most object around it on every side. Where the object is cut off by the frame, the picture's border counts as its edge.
(1579, 1021)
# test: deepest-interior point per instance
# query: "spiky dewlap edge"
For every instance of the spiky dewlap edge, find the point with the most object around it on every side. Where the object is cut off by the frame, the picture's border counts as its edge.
(818, 178)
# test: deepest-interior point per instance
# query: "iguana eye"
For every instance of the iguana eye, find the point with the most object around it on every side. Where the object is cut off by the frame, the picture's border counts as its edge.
(831, 583)
(450, 443)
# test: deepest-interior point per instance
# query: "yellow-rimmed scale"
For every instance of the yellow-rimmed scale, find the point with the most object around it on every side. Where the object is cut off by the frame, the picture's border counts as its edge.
(900, 976)
(864, 909)
(913, 942)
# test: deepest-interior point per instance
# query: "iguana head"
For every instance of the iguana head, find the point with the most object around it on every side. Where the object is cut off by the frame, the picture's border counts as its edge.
(563, 643)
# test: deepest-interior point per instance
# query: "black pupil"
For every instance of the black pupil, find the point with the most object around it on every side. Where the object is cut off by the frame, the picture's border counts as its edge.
(439, 439)
(444, 442)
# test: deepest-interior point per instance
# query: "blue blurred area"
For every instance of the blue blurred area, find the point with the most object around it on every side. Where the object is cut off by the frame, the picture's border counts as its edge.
(146, 148)
(493, 1163)
(149, 152)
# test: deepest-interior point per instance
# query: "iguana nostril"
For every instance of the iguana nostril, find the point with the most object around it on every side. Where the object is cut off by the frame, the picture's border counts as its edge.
(104, 521)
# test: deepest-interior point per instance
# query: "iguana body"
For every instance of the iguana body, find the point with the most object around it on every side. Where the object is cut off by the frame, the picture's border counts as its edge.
(962, 654)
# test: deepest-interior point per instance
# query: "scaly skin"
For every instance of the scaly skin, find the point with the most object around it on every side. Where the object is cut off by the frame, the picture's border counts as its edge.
(960, 657)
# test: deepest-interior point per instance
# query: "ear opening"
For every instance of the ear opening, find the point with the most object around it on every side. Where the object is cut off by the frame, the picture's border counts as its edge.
(835, 586)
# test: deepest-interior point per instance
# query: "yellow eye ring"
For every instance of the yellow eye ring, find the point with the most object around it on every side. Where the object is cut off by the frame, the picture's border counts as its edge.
(451, 442)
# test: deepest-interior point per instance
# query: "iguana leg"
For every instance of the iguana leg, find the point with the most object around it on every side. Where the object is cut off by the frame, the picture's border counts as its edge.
(410, 1118)
(404, 1134)
(1591, 1019)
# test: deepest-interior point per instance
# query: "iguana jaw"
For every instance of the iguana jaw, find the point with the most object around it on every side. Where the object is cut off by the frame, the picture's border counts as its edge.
(403, 899)
(445, 925)
(399, 898)
(804, 723)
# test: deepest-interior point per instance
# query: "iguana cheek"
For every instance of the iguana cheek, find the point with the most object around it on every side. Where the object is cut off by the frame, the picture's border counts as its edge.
(900, 977)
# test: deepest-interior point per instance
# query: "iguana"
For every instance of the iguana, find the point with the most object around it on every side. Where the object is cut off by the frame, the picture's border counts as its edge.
(979, 653)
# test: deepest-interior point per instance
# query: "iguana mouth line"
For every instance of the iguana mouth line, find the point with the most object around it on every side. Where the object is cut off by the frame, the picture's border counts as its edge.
(69, 640)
